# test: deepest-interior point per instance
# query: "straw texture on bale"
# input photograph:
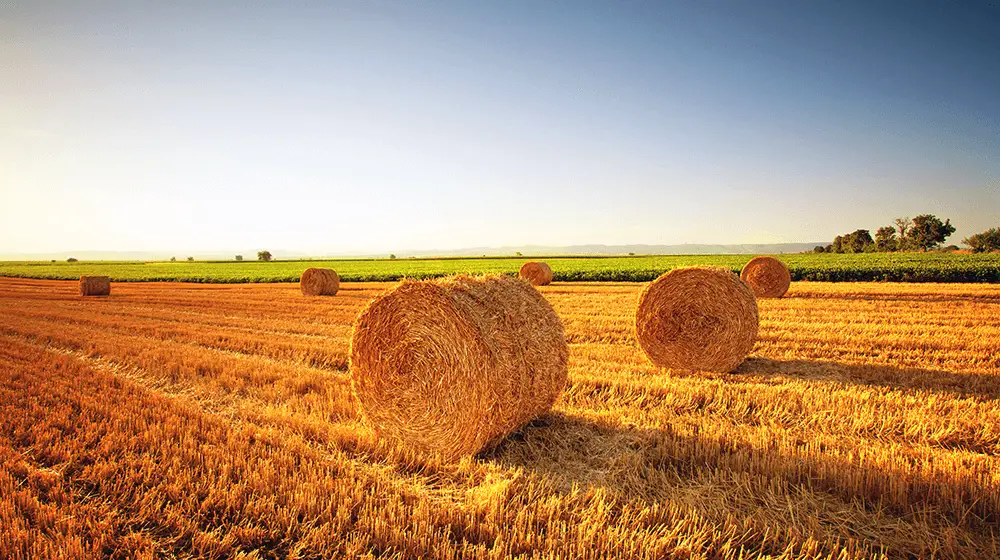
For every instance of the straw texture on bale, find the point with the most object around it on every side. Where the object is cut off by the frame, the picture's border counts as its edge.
(319, 282)
(452, 366)
(538, 273)
(697, 318)
(767, 277)
(95, 286)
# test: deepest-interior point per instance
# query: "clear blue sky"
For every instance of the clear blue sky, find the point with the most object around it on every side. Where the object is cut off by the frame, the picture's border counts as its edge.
(331, 127)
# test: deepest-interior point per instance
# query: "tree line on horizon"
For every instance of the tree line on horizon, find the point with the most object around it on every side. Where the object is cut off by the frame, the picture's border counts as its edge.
(924, 233)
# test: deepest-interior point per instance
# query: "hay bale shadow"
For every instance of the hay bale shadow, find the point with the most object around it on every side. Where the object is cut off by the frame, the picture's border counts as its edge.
(973, 385)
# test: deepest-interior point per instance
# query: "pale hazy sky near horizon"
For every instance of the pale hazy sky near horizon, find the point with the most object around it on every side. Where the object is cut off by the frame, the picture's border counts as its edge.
(340, 127)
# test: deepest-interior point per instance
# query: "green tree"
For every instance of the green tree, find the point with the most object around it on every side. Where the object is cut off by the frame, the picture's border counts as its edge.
(190, 259)
(859, 241)
(173, 259)
(985, 242)
(71, 259)
(392, 256)
(885, 239)
(927, 231)
(819, 249)
(903, 227)
(239, 257)
(264, 256)
(838, 245)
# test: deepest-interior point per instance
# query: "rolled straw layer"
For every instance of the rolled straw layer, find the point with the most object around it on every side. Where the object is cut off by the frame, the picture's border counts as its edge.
(698, 318)
(767, 277)
(319, 282)
(95, 286)
(452, 366)
(538, 273)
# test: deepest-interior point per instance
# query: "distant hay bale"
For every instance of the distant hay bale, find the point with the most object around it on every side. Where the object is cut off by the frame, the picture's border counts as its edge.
(698, 318)
(319, 282)
(538, 273)
(454, 365)
(95, 286)
(767, 277)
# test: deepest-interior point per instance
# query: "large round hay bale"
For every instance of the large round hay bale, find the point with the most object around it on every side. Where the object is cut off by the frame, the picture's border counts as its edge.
(767, 277)
(538, 273)
(451, 366)
(95, 286)
(698, 318)
(319, 282)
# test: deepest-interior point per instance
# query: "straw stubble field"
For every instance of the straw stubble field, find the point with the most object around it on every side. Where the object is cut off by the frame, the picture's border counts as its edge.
(215, 420)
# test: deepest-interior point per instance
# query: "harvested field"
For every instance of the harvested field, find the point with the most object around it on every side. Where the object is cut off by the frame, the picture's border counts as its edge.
(192, 420)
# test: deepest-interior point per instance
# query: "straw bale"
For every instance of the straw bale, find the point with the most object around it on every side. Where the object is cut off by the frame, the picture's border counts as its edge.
(95, 286)
(767, 277)
(538, 273)
(452, 366)
(697, 318)
(319, 282)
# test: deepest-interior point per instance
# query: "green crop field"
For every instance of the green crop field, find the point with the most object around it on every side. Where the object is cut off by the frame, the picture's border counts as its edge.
(897, 267)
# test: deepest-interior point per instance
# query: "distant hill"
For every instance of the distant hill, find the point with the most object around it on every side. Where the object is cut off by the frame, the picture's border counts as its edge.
(526, 250)
(685, 249)
(146, 255)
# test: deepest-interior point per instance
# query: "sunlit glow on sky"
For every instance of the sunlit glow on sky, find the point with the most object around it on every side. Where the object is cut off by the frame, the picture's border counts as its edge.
(339, 128)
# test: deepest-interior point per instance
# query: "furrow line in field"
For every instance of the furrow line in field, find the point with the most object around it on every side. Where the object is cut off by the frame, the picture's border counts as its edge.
(329, 357)
(336, 331)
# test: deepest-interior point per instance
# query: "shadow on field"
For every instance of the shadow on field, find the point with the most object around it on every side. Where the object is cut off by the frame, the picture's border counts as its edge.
(912, 298)
(968, 384)
(572, 449)
(716, 476)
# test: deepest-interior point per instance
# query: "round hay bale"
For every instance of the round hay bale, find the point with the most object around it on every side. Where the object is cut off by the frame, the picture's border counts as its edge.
(452, 366)
(538, 273)
(767, 277)
(95, 286)
(319, 282)
(698, 318)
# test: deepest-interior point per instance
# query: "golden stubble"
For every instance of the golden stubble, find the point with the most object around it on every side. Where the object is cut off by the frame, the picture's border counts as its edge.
(216, 420)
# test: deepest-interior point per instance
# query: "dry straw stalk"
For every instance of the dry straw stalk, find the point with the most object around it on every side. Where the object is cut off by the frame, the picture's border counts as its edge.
(454, 365)
(767, 277)
(697, 318)
(95, 286)
(319, 282)
(538, 273)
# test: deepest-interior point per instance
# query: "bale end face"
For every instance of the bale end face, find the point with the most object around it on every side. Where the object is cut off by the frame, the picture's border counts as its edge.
(698, 318)
(452, 366)
(767, 277)
(319, 282)
(95, 286)
(538, 273)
